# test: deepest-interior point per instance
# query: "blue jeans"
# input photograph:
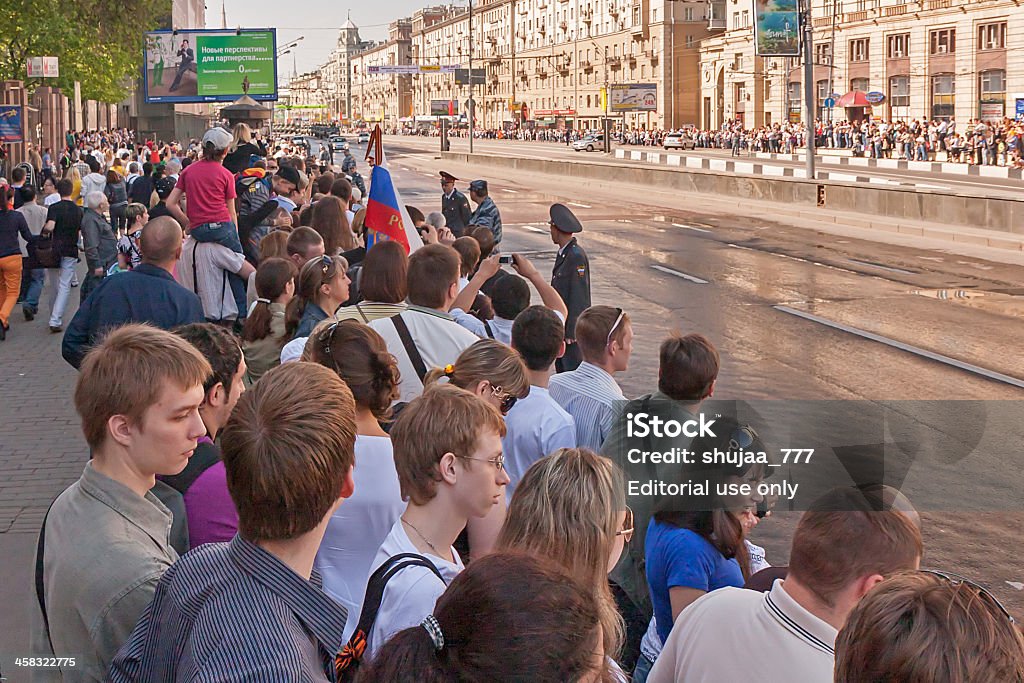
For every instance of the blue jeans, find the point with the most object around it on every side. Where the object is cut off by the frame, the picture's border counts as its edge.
(37, 278)
(225, 234)
(642, 670)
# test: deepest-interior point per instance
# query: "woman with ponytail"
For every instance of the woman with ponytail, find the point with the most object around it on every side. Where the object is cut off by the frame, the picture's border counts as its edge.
(506, 617)
(570, 507)
(263, 335)
(497, 374)
(356, 529)
(322, 288)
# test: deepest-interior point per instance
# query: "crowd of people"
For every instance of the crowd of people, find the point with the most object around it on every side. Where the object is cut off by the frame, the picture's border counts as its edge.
(318, 456)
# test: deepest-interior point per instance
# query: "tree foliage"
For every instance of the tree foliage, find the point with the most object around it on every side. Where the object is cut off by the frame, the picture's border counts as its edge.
(98, 42)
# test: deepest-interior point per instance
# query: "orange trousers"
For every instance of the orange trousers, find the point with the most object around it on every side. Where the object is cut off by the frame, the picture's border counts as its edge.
(10, 285)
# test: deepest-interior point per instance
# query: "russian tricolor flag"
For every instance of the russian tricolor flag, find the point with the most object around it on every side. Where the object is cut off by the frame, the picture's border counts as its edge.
(386, 217)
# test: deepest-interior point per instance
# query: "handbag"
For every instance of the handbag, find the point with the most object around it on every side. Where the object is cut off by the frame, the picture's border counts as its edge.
(45, 252)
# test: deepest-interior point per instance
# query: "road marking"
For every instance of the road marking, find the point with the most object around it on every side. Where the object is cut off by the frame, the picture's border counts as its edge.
(891, 269)
(690, 227)
(924, 353)
(582, 206)
(737, 246)
(691, 278)
(512, 191)
(533, 229)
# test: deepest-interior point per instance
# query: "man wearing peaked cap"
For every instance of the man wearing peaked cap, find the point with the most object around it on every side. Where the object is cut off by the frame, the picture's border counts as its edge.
(486, 213)
(454, 205)
(570, 278)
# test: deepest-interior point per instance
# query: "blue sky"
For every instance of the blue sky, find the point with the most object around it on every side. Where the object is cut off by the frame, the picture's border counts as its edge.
(318, 22)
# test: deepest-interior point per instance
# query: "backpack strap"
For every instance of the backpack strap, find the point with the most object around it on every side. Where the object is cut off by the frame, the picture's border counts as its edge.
(410, 346)
(487, 326)
(349, 659)
(204, 457)
(40, 588)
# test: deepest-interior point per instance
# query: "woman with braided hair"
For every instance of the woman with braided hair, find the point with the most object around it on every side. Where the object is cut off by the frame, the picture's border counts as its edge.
(356, 530)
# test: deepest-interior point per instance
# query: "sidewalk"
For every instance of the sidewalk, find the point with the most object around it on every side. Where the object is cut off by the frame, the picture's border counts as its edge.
(42, 453)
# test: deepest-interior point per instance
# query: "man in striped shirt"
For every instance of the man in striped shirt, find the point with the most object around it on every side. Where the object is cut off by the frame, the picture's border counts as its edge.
(252, 609)
(588, 393)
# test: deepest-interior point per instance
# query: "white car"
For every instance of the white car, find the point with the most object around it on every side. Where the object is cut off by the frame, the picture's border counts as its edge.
(363, 138)
(589, 143)
(678, 141)
(339, 143)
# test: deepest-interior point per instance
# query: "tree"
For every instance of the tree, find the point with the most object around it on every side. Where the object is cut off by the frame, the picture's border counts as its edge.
(99, 42)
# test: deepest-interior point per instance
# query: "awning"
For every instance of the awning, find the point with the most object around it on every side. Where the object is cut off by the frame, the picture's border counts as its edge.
(854, 98)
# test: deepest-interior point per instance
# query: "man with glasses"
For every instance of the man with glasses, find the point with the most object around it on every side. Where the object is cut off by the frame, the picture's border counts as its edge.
(849, 540)
(570, 278)
(448, 455)
(454, 205)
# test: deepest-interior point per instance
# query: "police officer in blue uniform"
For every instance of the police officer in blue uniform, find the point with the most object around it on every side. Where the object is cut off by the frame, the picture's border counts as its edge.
(454, 205)
(486, 213)
(570, 278)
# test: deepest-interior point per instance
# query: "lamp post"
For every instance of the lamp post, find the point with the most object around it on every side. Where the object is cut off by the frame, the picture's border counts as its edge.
(472, 104)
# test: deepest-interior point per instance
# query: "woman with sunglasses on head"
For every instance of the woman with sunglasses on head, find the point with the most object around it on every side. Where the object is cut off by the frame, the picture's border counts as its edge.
(322, 288)
(697, 544)
(356, 529)
(570, 507)
(497, 374)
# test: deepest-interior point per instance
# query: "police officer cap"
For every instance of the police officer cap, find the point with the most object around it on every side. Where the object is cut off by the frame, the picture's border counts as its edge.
(564, 219)
(478, 186)
(448, 177)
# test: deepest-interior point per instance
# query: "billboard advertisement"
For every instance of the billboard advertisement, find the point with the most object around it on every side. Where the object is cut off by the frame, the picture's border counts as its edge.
(633, 97)
(777, 28)
(444, 107)
(10, 123)
(210, 65)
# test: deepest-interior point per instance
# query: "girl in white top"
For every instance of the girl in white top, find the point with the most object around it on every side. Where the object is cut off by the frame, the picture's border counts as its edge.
(570, 507)
(357, 529)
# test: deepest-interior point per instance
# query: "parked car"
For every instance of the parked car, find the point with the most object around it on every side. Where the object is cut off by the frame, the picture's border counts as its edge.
(678, 141)
(338, 143)
(364, 138)
(589, 143)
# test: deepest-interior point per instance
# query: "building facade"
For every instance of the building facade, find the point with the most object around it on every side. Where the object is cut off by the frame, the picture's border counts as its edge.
(934, 59)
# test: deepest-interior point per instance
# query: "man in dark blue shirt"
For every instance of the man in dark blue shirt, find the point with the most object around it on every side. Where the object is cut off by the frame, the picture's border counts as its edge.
(147, 294)
(252, 609)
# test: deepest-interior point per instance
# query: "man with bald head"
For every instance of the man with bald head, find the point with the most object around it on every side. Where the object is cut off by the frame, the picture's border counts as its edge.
(146, 294)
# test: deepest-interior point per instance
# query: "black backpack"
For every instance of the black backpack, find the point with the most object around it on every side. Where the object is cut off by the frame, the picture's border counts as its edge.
(350, 659)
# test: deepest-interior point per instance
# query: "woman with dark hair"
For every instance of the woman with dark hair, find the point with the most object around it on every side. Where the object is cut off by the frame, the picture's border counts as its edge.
(12, 224)
(117, 197)
(506, 617)
(381, 284)
(356, 529)
(264, 335)
(322, 287)
(329, 220)
(700, 545)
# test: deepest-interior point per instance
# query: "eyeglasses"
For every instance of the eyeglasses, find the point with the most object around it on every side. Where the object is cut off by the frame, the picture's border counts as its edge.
(615, 326)
(507, 399)
(742, 438)
(958, 580)
(499, 462)
(627, 526)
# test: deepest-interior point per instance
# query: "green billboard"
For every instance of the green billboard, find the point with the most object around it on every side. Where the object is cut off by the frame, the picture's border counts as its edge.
(210, 65)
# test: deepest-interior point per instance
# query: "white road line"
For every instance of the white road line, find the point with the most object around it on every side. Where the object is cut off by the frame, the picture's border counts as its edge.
(691, 278)
(533, 229)
(512, 191)
(690, 227)
(582, 206)
(924, 353)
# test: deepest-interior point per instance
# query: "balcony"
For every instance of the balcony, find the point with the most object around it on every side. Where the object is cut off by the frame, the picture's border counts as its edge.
(587, 16)
(542, 29)
(717, 15)
(586, 65)
(615, 62)
(614, 10)
(894, 11)
(564, 25)
(522, 74)
(851, 17)
(637, 29)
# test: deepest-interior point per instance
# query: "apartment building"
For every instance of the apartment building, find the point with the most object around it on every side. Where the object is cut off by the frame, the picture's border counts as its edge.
(932, 59)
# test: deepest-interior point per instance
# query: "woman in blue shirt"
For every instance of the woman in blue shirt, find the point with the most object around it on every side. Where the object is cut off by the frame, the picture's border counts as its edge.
(322, 288)
(700, 548)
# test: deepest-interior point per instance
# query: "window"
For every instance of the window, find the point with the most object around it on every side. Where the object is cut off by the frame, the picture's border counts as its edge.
(992, 36)
(943, 96)
(746, 19)
(823, 53)
(993, 82)
(688, 14)
(899, 91)
(992, 102)
(943, 41)
(636, 15)
(736, 20)
(859, 51)
(823, 91)
(689, 40)
(737, 61)
(899, 46)
(767, 90)
(793, 95)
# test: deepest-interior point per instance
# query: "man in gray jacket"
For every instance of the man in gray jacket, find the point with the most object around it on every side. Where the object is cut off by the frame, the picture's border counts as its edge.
(99, 241)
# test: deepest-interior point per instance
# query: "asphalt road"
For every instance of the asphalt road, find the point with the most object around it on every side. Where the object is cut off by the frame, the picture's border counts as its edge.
(557, 151)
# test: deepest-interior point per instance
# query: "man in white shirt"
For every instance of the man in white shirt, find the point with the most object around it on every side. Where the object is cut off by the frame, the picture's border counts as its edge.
(589, 393)
(203, 269)
(848, 541)
(510, 295)
(32, 279)
(447, 446)
(537, 425)
(432, 338)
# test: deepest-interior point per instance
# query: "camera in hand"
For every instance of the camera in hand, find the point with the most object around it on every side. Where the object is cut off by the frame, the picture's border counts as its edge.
(506, 259)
